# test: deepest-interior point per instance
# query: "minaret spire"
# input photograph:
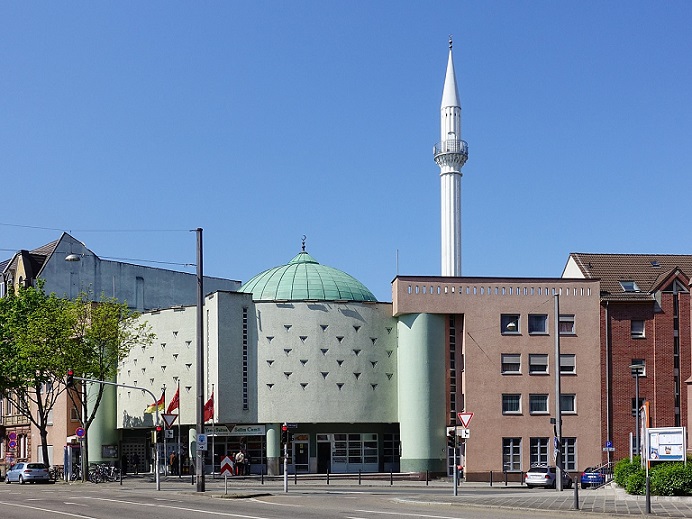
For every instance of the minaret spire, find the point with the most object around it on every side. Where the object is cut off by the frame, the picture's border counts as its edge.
(450, 155)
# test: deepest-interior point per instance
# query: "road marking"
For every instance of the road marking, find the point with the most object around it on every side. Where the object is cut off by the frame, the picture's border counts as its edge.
(195, 510)
(400, 514)
(258, 500)
(47, 510)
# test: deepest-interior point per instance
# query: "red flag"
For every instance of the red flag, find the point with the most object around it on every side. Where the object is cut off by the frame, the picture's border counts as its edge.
(209, 409)
(175, 403)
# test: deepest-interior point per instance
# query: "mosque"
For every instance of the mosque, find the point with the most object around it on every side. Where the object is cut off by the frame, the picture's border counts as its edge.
(365, 385)
(375, 386)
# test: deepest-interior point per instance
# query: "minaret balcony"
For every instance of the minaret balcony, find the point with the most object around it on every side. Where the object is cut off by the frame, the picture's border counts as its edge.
(451, 152)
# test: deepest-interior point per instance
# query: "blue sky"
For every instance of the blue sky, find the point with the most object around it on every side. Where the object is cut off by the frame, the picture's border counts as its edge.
(128, 123)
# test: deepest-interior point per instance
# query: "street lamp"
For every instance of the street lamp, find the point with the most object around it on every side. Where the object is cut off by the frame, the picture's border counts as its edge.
(637, 371)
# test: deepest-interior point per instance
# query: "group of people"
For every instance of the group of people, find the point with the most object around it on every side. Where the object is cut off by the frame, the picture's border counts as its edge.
(240, 463)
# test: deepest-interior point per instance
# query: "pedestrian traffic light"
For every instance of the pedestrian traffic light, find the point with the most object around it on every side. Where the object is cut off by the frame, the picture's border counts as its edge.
(159, 434)
(70, 378)
(284, 434)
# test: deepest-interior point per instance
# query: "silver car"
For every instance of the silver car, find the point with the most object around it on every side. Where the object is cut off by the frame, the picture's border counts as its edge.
(545, 477)
(27, 473)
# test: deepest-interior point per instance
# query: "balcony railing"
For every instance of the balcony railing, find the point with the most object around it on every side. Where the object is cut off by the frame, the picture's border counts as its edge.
(452, 146)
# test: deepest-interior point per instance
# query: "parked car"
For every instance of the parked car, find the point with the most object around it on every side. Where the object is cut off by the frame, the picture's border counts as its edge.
(544, 476)
(593, 477)
(27, 473)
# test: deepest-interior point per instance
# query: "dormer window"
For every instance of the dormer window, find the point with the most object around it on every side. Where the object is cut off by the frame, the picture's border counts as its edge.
(629, 286)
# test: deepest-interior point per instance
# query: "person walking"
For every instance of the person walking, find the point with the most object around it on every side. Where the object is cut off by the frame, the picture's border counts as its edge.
(135, 463)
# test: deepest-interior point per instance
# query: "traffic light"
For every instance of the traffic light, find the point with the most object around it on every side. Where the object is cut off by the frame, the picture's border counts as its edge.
(451, 438)
(159, 434)
(284, 434)
(70, 378)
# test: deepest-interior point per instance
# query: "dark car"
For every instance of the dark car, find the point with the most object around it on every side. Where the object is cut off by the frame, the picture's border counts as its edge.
(27, 473)
(593, 477)
(545, 477)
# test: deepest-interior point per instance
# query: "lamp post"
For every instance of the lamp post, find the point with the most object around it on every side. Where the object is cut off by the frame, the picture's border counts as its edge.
(636, 370)
(558, 402)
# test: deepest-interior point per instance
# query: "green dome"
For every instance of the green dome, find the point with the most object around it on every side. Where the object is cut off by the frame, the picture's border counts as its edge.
(304, 279)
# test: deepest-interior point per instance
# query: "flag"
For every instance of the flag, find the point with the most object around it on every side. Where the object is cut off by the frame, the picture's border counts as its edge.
(209, 409)
(175, 403)
(158, 405)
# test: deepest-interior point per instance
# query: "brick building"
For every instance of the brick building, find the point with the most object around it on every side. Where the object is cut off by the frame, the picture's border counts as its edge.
(645, 321)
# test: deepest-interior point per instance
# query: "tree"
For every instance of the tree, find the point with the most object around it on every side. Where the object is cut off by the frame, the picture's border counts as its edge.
(36, 345)
(43, 336)
(105, 332)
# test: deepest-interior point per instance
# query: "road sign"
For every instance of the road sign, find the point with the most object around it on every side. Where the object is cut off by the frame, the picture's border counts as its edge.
(464, 433)
(13, 435)
(168, 433)
(201, 442)
(465, 418)
(13, 444)
(80, 432)
(168, 419)
(226, 467)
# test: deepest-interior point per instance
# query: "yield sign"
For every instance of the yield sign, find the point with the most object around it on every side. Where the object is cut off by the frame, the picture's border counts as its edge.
(168, 419)
(465, 418)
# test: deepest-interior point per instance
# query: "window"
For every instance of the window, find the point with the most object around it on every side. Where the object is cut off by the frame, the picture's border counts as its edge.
(511, 363)
(538, 404)
(568, 364)
(538, 323)
(538, 364)
(629, 286)
(641, 367)
(511, 403)
(566, 325)
(569, 453)
(568, 403)
(509, 324)
(539, 451)
(637, 328)
(511, 454)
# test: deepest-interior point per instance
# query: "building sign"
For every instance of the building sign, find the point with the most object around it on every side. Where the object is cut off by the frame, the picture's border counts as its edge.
(665, 444)
(237, 430)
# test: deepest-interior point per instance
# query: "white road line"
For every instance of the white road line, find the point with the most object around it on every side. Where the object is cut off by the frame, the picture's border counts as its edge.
(258, 500)
(18, 505)
(195, 510)
(400, 514)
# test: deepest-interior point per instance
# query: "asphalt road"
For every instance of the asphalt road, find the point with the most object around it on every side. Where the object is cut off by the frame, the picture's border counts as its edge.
(178, 499)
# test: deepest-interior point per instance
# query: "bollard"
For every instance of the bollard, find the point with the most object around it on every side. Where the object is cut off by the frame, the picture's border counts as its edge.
(576, 496)
(295, 478)
(391, 477)
(427, 477)
(491, 478)
(262, 473)
(505, 478)
(359, 476)
(327, 476)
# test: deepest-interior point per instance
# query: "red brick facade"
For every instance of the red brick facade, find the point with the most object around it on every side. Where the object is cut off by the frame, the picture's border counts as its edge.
(665, 349)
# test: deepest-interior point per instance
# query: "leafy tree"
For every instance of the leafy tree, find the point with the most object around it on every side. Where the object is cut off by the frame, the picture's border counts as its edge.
(36, 345)
(105, 331)
(43, 336)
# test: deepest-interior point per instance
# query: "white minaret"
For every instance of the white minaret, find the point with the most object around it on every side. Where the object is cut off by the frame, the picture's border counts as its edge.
(450, 154)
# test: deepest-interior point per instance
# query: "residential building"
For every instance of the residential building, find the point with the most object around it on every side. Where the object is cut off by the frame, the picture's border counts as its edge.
(645, 322)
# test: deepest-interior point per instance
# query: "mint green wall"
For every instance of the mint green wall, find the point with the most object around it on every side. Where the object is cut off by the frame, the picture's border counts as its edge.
(422, 376)
(103, 430)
